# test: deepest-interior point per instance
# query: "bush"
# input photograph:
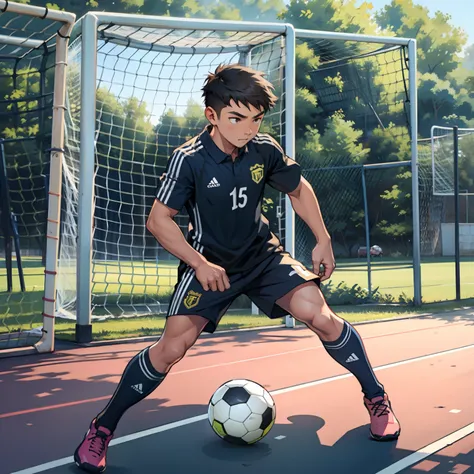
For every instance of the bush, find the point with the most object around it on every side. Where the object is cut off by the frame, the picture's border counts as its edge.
(342, 294)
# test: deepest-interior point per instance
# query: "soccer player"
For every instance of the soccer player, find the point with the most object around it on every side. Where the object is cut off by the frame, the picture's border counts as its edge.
(219, 176)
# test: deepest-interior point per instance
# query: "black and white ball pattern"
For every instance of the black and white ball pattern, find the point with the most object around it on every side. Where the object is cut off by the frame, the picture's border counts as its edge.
(241, 412)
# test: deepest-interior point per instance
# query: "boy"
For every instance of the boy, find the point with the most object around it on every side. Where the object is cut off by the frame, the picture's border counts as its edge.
(219, 176)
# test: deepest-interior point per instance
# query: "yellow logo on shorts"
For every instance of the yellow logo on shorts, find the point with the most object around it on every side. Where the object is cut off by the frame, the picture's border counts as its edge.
(192, 299)
(257, 172)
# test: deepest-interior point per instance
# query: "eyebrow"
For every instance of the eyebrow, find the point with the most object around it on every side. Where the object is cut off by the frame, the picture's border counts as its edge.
(245, 116)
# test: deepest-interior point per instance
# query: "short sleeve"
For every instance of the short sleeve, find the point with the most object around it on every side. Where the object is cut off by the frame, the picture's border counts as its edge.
(284, 174)
(177, 184)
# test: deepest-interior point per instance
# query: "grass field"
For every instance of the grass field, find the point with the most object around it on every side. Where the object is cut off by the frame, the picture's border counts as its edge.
(23, 310)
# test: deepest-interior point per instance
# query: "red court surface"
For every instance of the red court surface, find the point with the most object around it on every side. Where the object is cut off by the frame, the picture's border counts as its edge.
(426, 365)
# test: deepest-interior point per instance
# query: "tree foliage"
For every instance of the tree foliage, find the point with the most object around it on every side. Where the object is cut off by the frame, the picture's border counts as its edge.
(347, 115)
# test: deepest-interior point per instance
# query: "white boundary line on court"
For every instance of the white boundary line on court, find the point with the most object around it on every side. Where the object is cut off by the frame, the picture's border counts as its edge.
(305, 349)
(428, 450)
(177, 424)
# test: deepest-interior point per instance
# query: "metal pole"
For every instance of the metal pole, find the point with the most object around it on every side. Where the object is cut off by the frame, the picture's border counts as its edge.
(367, 233)
(414, 172)
(290, 87)
(456, 212)
(86, 181)
(6, 217)
(246, 60)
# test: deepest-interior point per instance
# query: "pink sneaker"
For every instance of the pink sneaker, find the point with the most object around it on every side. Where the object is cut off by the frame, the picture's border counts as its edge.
(91, 454)
(384, 425)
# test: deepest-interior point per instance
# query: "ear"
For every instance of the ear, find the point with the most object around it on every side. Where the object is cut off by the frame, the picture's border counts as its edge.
(211, 115)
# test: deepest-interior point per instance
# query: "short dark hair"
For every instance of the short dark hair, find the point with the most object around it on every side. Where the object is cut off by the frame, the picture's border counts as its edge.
(240, 83)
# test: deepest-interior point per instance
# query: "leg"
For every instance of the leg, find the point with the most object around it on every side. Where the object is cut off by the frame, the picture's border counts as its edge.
(191, 311)
(306, 303)
(148, 368)
(140, 378)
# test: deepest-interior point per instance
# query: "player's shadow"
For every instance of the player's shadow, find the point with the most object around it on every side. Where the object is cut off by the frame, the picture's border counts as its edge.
(297, 445)
(242, 455)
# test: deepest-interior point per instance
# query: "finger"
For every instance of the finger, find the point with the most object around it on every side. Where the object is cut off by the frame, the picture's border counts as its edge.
(318, 268)
(220, 283)
(204, 285)
(328, 269)
(226, 281)
(213, 285)
(323, 272)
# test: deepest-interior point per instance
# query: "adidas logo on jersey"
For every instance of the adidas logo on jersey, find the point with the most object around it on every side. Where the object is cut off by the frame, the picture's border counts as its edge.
(352, 358)
(213, 183)
(138, 387)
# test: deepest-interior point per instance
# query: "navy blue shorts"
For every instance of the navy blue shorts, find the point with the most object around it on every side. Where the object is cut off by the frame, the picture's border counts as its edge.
(264, 285)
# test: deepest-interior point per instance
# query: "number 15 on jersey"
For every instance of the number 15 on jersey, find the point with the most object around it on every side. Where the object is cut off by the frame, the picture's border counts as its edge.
(240, 200)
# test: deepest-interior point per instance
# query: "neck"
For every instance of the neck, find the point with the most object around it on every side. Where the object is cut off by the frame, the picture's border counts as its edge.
(223, 144)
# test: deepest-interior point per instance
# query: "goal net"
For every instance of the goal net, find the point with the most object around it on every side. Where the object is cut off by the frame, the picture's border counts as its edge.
(357, 155)
(442, 156)
(148, 74)
(437, 197)
(33, 52)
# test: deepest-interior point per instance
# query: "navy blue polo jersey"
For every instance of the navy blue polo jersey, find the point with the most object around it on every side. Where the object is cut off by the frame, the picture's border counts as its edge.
(224, 197)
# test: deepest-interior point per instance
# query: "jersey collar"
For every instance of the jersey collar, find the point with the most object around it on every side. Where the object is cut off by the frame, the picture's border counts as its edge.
(214, 151)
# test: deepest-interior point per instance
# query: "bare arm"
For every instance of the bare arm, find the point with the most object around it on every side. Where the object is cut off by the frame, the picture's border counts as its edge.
(306, 205)
(162, 225)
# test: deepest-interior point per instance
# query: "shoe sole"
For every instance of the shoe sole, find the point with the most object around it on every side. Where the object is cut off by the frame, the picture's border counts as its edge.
(390, 437)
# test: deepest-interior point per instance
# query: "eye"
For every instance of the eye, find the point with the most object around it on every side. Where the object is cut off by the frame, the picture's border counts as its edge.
(257, 120)
(234, 120)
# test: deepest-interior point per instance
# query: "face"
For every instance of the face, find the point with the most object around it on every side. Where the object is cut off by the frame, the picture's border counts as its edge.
(237, 123)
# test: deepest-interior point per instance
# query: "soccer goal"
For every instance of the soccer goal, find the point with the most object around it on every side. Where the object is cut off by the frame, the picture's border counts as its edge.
(33, 63)
(447, 218)
(133, 96)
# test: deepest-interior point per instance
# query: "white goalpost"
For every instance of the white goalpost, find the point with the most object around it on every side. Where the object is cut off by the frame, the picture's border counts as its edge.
(133, 95)
(33, 51)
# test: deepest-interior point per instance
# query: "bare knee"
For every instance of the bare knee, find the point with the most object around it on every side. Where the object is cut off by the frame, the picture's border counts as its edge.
(319, 317)
(168, 351)
(178, 337)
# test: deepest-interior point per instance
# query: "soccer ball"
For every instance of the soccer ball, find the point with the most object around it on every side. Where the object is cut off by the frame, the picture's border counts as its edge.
(241, 412)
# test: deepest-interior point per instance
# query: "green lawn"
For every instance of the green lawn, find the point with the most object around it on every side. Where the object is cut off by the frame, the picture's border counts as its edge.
(392, 277)
(153, 326)
(141, 281)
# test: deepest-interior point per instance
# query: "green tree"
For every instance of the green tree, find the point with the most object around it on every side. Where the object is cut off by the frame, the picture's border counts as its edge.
(439, 42)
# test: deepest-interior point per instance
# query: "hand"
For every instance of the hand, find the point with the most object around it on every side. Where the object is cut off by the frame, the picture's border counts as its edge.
(322, 255)
(212, 277)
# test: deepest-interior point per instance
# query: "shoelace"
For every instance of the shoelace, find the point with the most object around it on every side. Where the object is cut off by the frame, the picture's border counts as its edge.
(97, 445)
(379, 405)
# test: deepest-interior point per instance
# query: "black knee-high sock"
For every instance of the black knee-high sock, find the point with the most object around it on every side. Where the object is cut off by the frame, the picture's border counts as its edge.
(139, 379)
(348, 350)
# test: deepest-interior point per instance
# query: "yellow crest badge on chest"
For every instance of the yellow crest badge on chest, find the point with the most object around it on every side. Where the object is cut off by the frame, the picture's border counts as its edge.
(192, 299)
(257, 172)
